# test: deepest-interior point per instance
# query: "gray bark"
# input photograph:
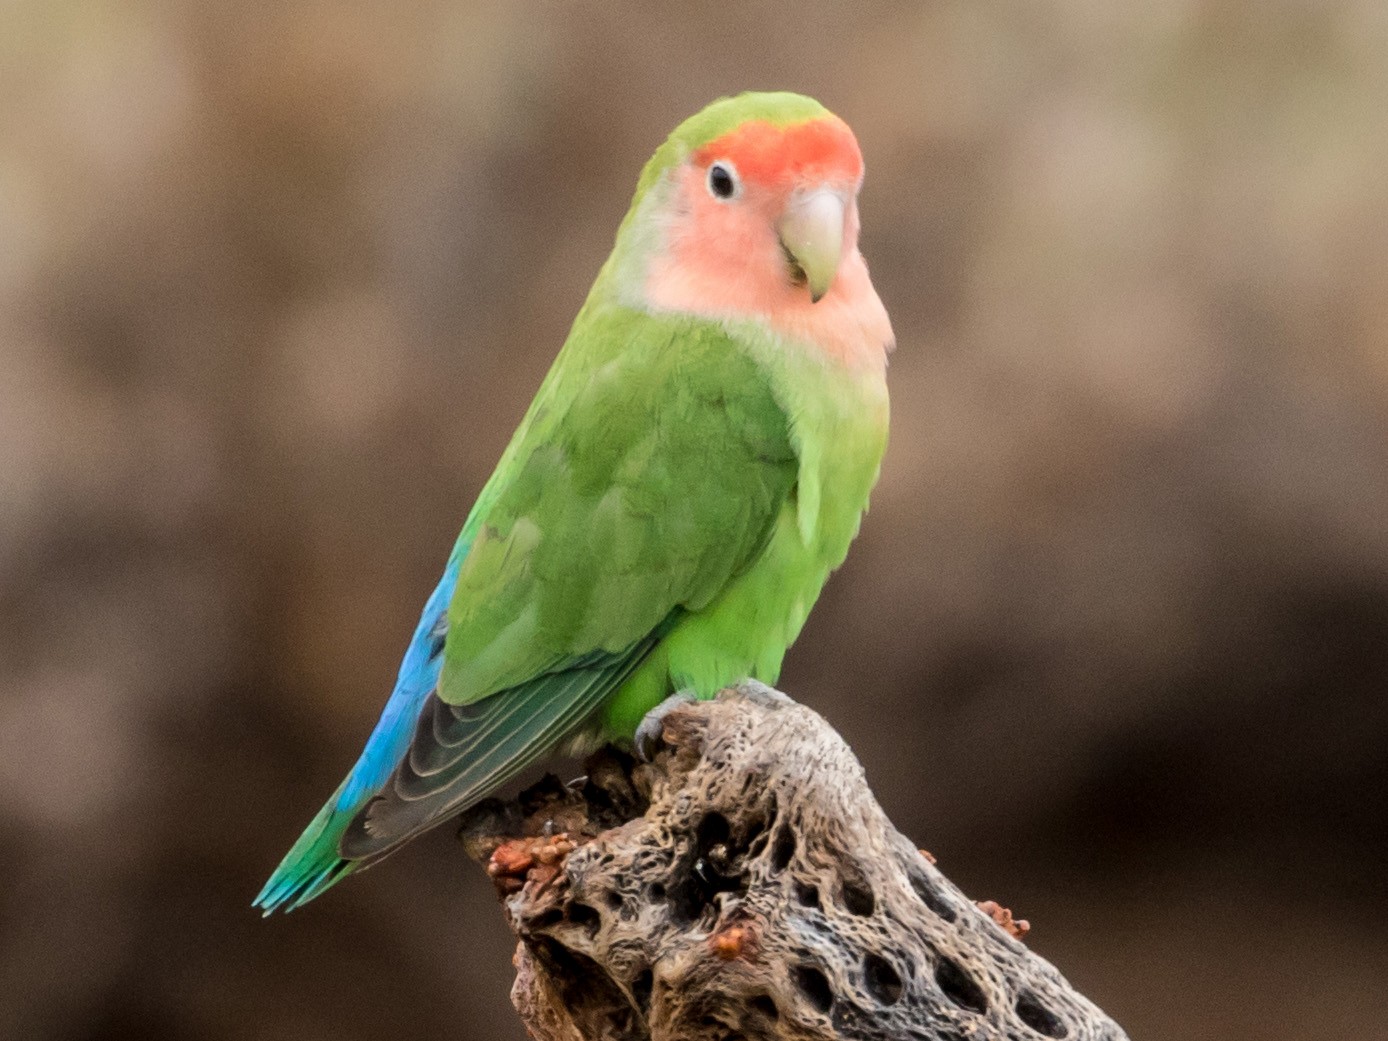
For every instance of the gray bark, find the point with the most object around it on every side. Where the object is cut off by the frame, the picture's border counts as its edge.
(746, 885)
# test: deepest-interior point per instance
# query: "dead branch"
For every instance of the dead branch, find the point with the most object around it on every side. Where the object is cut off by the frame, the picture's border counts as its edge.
(746, 885)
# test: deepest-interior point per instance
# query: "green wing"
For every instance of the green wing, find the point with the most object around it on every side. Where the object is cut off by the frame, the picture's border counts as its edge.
(648, 473)
(461, 752)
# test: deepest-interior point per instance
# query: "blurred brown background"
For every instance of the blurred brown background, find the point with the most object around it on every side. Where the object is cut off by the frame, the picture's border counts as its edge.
(278, 279)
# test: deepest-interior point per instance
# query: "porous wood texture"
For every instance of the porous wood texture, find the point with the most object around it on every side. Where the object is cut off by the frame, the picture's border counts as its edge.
(746, 885)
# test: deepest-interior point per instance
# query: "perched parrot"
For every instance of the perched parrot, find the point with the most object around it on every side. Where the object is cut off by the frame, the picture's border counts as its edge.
(694, 465)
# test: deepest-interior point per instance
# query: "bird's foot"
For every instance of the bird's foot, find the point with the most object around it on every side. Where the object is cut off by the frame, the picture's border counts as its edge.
(760, 694)
(650, 734)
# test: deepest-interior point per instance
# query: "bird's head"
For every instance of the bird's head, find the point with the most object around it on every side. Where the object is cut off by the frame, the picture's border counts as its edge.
(749, 210)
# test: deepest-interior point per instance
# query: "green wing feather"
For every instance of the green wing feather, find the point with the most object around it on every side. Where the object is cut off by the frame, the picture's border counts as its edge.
(648, 473)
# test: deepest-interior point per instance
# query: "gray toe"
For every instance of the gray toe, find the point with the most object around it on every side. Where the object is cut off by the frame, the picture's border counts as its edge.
(648, 735)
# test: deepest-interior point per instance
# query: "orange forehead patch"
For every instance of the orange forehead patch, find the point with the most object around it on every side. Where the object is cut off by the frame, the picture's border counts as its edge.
(764, 153)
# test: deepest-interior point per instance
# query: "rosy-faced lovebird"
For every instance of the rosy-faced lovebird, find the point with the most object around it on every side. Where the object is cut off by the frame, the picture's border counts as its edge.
(693, 467)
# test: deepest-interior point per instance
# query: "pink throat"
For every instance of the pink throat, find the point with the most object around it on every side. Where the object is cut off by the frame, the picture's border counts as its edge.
(725, 262)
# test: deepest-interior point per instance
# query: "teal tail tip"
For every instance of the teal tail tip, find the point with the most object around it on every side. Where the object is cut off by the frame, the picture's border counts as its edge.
(312, 864)
(293, 885)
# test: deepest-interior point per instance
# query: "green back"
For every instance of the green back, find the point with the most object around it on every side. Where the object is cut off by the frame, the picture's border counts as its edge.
(647, 474)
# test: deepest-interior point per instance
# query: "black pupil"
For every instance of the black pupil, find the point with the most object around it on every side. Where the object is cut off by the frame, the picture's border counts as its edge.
(720, 181)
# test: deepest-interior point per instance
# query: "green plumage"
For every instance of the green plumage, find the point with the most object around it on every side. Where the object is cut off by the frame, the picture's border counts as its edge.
(660, 517)
(647, 475)
(663, 520)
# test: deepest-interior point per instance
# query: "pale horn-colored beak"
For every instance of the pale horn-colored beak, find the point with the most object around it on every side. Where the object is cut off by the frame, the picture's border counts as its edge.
(811, 233)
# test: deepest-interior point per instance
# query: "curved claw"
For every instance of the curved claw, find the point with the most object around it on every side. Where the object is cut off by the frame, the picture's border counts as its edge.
(648, 739)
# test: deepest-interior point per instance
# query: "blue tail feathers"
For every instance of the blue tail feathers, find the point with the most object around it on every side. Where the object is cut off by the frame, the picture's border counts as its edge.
(313, 863)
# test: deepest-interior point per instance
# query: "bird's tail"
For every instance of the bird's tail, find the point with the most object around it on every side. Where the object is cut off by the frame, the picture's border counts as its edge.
(312, 864)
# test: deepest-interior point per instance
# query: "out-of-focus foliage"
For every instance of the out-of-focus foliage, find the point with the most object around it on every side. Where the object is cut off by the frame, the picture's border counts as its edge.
(278, 279)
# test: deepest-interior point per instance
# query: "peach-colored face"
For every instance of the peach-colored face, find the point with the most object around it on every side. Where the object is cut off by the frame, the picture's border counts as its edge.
(725, 251)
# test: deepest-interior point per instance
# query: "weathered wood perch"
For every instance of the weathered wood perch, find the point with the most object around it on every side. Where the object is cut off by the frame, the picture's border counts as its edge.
(746, 885)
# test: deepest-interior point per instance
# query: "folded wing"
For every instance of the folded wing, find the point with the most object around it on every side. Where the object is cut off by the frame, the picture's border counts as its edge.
(648, 473)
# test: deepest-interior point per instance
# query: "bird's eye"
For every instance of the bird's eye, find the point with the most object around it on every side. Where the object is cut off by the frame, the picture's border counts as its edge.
(722, 183)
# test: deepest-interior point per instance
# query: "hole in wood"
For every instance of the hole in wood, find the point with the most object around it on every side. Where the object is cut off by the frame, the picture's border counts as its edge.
(641, 990)
(883, 981)
(587, 917)
(783, 848)
(713, 830)
(806, 895)
(932, 897)
(551, 916)
(959, 986)
(764, 1004)
(583, 986)
(857, 897)
(814, 985)
(1037, 1016)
